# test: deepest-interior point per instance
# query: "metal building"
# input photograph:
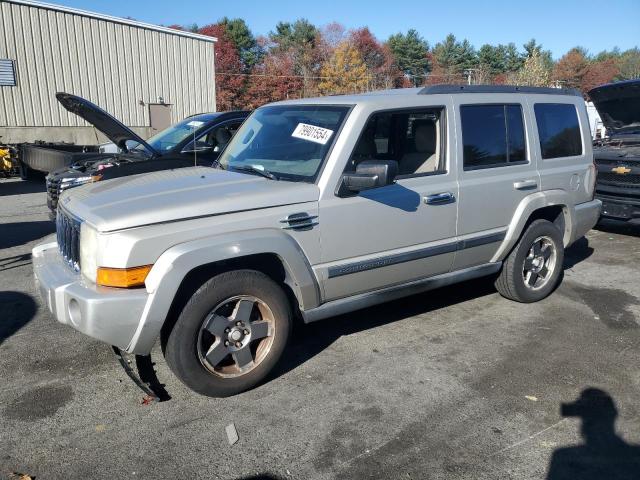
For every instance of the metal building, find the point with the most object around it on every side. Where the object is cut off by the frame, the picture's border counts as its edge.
(145, 75)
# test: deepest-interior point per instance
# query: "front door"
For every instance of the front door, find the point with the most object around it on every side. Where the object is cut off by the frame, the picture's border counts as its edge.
(397, 233)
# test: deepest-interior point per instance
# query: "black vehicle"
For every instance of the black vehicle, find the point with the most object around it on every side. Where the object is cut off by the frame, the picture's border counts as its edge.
(196, 140)
(617, 156)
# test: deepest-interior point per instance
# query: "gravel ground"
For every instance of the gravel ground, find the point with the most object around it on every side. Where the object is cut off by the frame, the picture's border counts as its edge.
(455, 383)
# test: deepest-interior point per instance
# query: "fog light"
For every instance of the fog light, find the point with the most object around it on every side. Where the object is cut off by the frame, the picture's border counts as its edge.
(75, 315)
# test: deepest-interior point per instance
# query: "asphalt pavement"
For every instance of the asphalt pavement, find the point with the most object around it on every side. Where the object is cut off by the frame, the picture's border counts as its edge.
(454, 383)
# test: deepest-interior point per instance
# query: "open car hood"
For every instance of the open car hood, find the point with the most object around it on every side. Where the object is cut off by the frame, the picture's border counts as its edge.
(618, 105)
(114, 129)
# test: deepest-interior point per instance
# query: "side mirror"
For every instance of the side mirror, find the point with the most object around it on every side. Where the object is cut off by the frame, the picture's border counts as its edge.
(369, 174)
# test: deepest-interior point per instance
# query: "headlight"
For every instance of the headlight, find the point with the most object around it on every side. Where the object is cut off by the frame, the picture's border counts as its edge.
(88, 251)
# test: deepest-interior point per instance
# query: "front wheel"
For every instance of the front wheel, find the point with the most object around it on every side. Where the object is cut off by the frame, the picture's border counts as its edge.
(231, 333)
(533, 268)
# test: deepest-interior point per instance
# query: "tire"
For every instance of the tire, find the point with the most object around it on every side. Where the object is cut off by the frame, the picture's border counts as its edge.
(196, 349)
(518, 279)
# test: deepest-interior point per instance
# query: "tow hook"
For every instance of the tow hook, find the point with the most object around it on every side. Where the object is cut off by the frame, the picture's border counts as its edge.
(145, 377)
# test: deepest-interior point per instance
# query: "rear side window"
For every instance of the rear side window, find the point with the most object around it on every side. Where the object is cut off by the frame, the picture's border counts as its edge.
(559, 130)
(493, 136)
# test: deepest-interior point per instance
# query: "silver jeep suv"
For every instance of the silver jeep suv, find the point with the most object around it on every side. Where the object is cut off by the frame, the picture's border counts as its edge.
(319, 207)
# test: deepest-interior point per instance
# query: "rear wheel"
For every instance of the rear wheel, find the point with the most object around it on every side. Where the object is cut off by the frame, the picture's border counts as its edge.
(533, 268)
(231, 333)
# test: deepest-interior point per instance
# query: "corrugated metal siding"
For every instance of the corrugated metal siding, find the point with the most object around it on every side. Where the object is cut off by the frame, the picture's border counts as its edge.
(114, 65)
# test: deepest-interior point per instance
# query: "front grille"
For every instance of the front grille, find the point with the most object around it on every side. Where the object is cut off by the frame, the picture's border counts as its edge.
(53, 191)
(628, 180)
(68, 235)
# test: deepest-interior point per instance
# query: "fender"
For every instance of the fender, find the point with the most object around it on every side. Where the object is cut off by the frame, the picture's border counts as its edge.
(174, 264)
(530, 204)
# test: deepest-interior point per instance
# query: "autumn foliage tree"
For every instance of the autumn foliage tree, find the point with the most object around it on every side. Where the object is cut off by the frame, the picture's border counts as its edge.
(534, 72)
(345, 72)
(382, 67)
(229, 81)
(571, 68)
(274, 79)
(599, 73)
(298, 59)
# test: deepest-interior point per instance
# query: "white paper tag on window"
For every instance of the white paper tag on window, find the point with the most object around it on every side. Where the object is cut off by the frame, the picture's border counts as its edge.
(312, 133)
(195, 123)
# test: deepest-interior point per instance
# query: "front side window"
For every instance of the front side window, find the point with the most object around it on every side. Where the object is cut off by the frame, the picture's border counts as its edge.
(492, 135)
(558, 129)
(216, 139)
(411, 138)
(289, 142)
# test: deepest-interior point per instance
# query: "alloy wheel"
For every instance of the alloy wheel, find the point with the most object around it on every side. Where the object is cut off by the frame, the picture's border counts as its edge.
(540, 263)
(236, 336)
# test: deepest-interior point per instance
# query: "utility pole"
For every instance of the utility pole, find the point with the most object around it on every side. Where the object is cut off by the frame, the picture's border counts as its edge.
(469, 72)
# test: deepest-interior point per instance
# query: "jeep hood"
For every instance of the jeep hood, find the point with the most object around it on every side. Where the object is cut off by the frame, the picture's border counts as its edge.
(182, 194)
(113, 129)
(619, 106)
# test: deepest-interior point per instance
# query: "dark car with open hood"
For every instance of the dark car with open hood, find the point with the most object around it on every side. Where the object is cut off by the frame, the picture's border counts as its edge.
(617, 156)
(197, 140)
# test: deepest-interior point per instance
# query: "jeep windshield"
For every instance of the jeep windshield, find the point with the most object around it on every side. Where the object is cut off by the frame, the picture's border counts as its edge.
(169, 138)
(289, 142)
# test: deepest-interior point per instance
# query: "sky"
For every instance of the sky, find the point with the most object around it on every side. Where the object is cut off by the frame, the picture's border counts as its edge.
(559, 25)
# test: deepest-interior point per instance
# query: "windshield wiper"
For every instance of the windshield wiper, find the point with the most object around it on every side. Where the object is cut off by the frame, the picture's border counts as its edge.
(252, 169)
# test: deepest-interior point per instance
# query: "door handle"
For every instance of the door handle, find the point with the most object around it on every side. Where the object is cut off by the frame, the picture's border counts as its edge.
(525, 185)
(440, 198)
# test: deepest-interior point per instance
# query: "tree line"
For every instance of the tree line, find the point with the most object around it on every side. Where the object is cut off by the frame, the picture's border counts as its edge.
(299, 59)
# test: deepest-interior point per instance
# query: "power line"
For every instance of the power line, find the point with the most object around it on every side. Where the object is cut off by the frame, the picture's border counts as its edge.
(318, 77)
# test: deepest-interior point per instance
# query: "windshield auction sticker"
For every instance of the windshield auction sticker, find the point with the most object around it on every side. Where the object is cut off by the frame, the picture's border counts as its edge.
(195, 123)
(312, 133)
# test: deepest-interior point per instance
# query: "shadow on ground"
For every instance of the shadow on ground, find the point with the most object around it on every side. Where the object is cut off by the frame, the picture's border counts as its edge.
(19, 187)
(618, 227)
(262, 476)
(16, 261)
(604, 454)
(19, 233)
(577, 253)
(16, 310)
(310, 340)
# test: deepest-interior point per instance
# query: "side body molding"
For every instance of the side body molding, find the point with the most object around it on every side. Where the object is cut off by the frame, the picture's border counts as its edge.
(530, 204)
(174, 264)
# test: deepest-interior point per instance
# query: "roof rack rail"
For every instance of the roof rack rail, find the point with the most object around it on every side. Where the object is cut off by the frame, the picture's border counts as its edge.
(443, 89)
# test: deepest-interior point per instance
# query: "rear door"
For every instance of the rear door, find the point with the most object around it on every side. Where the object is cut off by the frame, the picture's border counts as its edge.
(496, 171)
(564, 148)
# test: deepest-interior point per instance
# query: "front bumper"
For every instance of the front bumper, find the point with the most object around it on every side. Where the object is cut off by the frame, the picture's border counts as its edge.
(586, 216)
(108, 314)
(626, 209)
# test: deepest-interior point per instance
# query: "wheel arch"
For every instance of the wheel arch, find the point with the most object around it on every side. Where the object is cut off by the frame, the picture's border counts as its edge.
(554, 206)
(185, 267)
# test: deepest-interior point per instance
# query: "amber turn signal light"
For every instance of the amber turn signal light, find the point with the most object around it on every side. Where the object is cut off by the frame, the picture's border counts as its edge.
(122, 277)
